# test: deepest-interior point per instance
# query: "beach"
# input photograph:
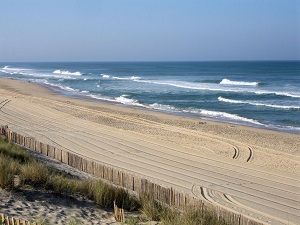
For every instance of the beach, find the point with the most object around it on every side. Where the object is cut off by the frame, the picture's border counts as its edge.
(248, 170)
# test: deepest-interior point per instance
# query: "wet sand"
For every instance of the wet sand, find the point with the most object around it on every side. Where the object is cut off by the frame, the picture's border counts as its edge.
(248, 170)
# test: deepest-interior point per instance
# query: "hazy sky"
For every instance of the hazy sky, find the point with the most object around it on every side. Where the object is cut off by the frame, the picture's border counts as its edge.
(149, 30)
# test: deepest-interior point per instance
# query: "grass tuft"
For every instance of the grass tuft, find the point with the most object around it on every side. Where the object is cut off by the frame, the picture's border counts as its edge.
(34, 173)
(150, 208)
(15, 152)
(8, 170)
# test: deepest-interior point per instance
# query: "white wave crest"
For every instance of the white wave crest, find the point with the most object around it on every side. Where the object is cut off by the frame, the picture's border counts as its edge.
(206, 113)
(99, 97)
(63, 87)
(15, 69)
(162, 107)
(135, 78)
(224, 115)
(66, 72)
(105, 75)
(182, 84)
(217, 87)
(242, 83)
(127, 101)
(292, 95)
(120, 78)
(221, 99)
(127, 78)
(35, 73)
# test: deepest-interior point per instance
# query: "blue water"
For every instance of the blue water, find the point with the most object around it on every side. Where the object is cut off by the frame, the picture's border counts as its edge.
(263, 94)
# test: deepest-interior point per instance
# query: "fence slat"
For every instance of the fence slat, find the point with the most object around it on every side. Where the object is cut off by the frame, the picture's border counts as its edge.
(167, 195)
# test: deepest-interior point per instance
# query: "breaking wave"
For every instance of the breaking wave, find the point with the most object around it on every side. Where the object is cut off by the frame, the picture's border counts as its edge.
(66, 72)
(205, 113)
(127, 101)
(105, 75)
(223, 115)
(217, 87)
(63, 87)
(120, 78)
(221, 99)
(13, 68)
(162, 107)
(240, 83)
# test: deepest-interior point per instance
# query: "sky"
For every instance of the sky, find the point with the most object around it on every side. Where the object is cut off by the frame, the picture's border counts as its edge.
(149, 30)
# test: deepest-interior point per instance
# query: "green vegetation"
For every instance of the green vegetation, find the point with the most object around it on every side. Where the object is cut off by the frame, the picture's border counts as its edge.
(17, 162)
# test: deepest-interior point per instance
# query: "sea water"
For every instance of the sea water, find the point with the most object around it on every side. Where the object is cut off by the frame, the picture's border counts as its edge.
(263, 94)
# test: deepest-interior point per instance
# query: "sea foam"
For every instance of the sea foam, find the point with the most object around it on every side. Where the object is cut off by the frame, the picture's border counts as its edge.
(127, 101)
(218, 88)
(224, 115)
(162, 107)
(241, 83)
(13, 68)
(221, 99)
(206, 113)
(66, 72)
(120, 78)
(63, 87)
(105, 75)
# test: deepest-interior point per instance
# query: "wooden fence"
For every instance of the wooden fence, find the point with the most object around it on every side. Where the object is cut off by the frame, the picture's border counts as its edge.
(119, 213)
(130, 181)
(6, 220)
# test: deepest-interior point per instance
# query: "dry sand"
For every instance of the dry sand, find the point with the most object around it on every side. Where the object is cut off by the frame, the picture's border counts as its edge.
(37, 205)
(44, 207)
(248, 170)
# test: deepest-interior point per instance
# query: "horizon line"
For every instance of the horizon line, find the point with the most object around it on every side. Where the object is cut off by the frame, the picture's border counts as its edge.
(155, 61)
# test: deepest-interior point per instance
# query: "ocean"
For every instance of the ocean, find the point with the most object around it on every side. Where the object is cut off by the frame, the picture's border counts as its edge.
(263, 94)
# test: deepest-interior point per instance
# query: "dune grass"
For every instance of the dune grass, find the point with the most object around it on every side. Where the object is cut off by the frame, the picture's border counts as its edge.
(8, 169)
(17, 162)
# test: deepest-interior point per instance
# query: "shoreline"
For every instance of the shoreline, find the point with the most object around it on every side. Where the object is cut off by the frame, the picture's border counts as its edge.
(252, 165)
(45, 92)
(293, 130)
(49, 92)
(258, 111)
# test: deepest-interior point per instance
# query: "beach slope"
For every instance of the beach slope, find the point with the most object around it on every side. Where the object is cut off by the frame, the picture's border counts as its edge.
(248, 170)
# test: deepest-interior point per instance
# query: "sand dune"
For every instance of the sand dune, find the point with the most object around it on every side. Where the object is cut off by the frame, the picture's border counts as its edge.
(248, 170)
(38, 206)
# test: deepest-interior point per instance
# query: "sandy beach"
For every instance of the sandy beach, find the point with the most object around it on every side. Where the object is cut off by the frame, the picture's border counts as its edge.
(42, 207)
(45, 207)
(248, 170)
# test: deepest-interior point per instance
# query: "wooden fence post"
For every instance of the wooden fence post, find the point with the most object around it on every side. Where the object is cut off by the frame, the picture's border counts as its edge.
(7, 220)
(167, 195)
